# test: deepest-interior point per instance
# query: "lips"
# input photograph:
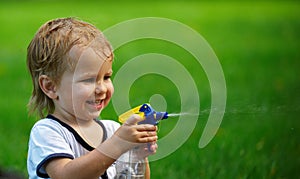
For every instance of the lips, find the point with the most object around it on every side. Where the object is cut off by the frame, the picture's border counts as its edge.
(97, 104)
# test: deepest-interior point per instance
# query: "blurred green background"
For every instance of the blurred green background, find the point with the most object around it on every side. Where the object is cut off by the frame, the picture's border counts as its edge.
(257, 43)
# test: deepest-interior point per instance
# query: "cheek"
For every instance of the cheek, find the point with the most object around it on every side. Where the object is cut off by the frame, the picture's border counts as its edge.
(109, 93)
(82, 91)
(111, 89)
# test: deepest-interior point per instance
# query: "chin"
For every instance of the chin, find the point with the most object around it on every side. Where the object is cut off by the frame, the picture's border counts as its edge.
(95, 115)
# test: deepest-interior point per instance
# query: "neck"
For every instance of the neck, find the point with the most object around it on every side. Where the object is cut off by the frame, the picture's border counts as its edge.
(72, 120)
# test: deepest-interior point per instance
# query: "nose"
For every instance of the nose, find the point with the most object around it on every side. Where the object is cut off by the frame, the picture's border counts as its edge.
(101, 88)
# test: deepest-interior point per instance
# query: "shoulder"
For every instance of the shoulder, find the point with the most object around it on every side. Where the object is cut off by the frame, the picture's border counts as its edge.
(48, 128)
(46, 124)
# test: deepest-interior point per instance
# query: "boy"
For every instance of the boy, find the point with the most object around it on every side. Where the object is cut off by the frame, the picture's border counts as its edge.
(70, 63)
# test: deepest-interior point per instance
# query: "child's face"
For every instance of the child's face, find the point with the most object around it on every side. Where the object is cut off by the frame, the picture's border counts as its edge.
(84, 92)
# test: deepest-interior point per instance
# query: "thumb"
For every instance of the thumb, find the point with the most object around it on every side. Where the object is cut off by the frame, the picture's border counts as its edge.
(133, 119)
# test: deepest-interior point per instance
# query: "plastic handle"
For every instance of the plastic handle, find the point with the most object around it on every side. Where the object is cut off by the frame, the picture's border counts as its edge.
(123, 117)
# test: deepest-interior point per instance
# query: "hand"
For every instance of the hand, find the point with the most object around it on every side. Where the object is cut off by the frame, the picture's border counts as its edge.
(151, 148)
(130, 135)
(131, 132)
(144, 150)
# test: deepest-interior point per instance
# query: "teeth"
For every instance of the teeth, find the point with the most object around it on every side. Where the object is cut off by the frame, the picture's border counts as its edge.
(98, 101)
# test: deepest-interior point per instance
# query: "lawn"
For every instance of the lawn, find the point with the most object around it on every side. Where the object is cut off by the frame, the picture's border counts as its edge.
(257, 44)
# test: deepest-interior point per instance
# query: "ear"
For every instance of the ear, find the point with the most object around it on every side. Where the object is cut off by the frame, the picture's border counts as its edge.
(48, 86)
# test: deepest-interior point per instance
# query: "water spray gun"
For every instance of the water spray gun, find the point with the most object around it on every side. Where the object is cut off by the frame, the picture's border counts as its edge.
(147, 112)
(131, 166)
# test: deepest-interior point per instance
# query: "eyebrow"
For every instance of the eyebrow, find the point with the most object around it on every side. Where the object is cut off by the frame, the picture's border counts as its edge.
(91, 74)
(103, 56)
(88, 74)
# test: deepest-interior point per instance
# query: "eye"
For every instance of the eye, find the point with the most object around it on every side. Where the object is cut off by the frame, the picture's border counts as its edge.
(89, 80)
(107, 77)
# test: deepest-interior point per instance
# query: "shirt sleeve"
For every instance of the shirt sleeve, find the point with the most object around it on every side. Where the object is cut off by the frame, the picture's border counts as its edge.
(47, 141)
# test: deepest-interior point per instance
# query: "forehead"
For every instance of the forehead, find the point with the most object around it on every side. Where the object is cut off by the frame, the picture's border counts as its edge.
(88, 60)
(79, 55)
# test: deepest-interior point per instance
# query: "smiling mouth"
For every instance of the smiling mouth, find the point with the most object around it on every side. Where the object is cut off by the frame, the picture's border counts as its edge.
(97, 103)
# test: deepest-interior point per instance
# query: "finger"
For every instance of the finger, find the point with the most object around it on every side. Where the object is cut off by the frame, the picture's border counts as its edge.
(147, 139)
(148, 134)
(152, 148)
(146, 127)
(133, 119)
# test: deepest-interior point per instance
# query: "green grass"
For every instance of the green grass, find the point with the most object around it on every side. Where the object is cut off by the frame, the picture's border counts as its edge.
(257, 44)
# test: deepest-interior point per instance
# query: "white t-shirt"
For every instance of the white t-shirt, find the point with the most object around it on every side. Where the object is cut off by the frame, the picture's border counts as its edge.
(50, 138)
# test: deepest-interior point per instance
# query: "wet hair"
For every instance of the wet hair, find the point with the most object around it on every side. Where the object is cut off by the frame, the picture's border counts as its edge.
(48, 54)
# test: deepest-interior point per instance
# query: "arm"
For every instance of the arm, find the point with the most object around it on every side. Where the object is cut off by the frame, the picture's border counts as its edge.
(77, 168)
(153, 148)
(98, 160)
(147, 172)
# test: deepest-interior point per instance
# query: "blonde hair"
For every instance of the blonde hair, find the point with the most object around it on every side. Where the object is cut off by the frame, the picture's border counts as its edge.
(47, 54)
